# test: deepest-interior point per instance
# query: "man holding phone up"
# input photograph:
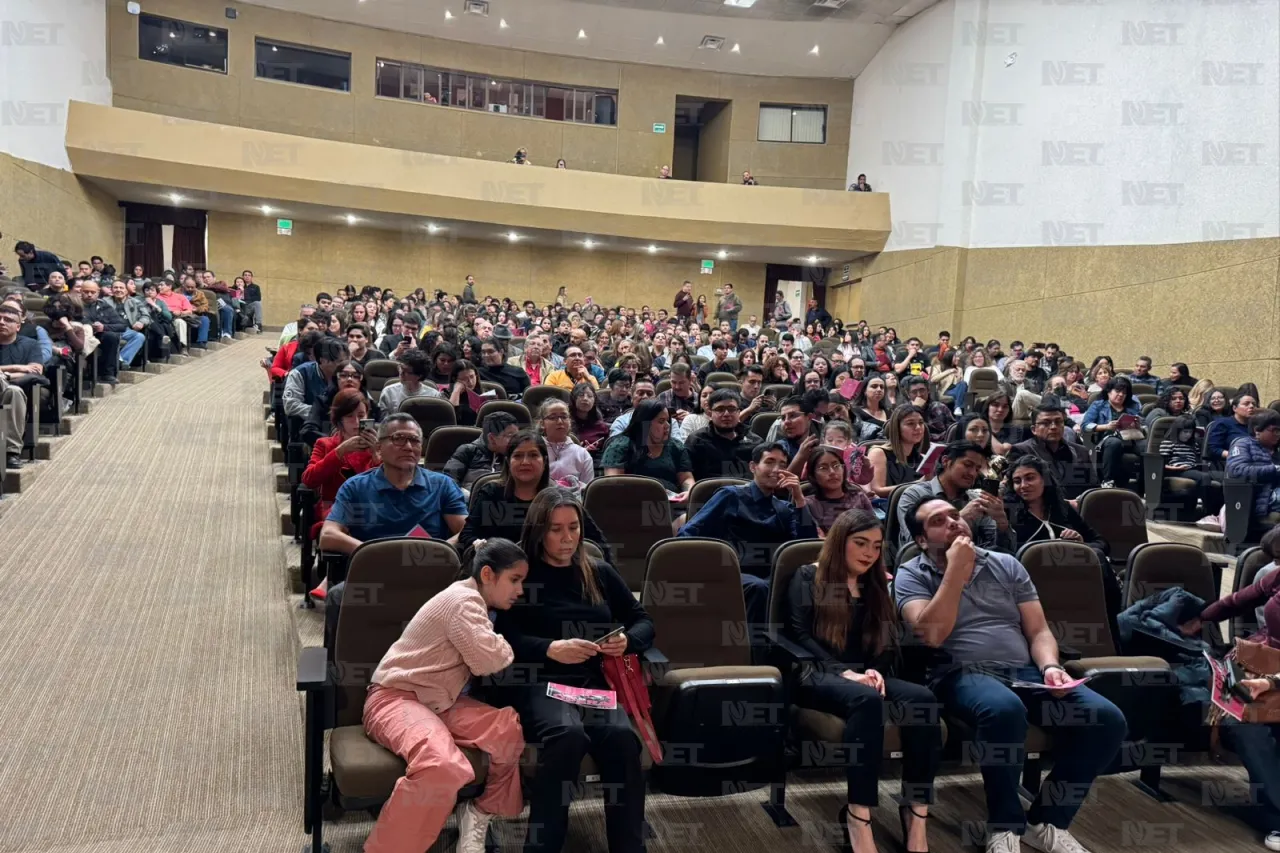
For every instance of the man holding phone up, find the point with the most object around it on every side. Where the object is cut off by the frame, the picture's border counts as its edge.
(962, 465)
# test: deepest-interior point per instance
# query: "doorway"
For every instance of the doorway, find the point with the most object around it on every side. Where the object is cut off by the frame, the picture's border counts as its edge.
(701, 139)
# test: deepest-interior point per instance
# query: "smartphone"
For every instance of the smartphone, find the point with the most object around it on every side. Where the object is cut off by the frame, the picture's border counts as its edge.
(614, 633)
(671, 412)
(367, 423)
(990, 485)
(408, 339)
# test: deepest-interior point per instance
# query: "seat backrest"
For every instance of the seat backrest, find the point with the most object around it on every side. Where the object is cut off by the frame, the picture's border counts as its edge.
(1119, 517)
(663, 385)
(984, 380)
(430, 413)
(535, 395)
(517, 410)
(378, 373)
(720, 376)
(388, 581)
(891, 527)
(498, 390)
(1156, 566)
(704, 489)
(693, 592)
(632, 513)
(787, 560)
(33, 303)
(1228, 391)
(1146, 399)
(1140, 388)
(731, 365)
(483, 479)
(1248, 564)
(779, 391)
(443, 442)
(1068, 578)
(733, 386)
(698, 360)
(1158, 432)
(762, 421)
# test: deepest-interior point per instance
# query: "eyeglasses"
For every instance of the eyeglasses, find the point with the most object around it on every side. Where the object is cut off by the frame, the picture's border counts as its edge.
(1051, 424)
(557, 417)
(829, 468)
(725, 410)
(403, 440)
(349, 374)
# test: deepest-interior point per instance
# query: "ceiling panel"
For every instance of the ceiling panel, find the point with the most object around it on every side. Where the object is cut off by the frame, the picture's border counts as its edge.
(776, 36)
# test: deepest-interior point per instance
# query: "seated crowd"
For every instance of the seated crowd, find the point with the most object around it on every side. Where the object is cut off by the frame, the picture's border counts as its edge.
(941, 462)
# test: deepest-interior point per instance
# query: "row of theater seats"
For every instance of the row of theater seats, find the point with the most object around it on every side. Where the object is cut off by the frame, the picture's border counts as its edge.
(703, 674)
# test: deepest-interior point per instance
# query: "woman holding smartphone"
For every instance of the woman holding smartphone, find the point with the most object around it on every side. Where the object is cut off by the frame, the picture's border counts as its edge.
(558, 637)
(416, 709)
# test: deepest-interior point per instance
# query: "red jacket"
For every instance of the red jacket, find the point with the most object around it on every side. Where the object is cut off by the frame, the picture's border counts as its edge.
(283, 361)
(326, 473)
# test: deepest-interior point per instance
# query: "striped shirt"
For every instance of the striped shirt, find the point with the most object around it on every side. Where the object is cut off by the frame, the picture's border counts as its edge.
(1178, 453)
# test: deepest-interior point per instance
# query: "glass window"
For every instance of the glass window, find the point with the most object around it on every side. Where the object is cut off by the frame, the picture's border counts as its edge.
(539, 101)
(411, 87)
(388, 79)
(557, 99)
(479, 92)
(787, 123)
(180, 43)
(503, 97)
(606, 109)
(305, 65)
(432, 88)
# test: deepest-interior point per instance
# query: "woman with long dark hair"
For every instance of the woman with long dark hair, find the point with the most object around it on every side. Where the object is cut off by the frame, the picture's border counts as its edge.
(555, 636)
(833, 494)
(870, 407)
(840, 611)
(588, 425)
(898, 462)
(646, 449)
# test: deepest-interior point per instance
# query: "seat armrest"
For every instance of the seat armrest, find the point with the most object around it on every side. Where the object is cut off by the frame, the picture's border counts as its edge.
(1152, 478)
(654, 664)
(791, 650)
(313, 668)
(1068, 653)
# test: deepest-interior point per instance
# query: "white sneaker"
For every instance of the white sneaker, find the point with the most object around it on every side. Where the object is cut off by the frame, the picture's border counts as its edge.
(473, 825)
(1272, 841)
(1003, 842)
(1108, 484)
(1047, 838)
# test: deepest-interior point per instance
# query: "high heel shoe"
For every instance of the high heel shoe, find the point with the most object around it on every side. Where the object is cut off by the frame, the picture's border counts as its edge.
(902, 816)
(846, 846)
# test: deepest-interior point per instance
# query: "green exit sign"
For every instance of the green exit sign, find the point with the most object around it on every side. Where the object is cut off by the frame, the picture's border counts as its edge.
(659, 127)
(284, 226)
(708, 268)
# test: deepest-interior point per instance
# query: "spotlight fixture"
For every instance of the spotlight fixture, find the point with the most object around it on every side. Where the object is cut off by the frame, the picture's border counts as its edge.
(352, 219)
(512, 236)
(813, 259)
(722, 254)
(588, 243)
(582, 34)
(737, 48)
(653, 250)
(660, 42)
(175, 198)
(448, 16)
(432, 228)
(814, 52)
(502, 24)
(266, 210)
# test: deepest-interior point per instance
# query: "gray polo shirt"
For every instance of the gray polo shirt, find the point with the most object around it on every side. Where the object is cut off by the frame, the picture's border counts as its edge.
(988, 625)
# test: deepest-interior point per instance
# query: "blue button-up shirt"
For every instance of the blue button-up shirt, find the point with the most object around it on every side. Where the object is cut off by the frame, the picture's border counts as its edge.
(370, 507)
(754, 523)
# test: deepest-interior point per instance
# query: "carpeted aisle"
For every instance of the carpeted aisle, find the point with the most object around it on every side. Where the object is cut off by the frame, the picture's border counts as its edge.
(147, 659)
(147, 700)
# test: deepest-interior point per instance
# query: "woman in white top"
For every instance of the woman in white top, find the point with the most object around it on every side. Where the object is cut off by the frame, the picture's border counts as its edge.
(977, 360)
(571, 464)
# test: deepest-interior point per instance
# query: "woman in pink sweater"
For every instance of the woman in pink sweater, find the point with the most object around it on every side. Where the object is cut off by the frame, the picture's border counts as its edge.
(416, 709)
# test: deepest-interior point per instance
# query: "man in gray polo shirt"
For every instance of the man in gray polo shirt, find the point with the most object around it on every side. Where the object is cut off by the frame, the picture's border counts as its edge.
(981, 608)
(962, 463)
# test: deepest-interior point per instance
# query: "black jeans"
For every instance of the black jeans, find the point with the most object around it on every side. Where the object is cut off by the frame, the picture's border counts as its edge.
(108, 353)
(1206, 491)
(1113, 464)
(911, 707)
(566, 733)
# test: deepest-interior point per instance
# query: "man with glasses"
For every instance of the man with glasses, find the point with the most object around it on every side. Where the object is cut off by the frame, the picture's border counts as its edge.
(642, 389)
(415, 367)
(398, 498)
(19, 357)
(573, 372)
(494, 368)
(724, 448)
(618, 400)
(1070, 463)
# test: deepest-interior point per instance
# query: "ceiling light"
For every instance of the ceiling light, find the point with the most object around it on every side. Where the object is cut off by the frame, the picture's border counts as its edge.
(741, 4)
(502, 24)
(476, 7)
(448, 16)
(653, 250)
(737, 48)
(266, 208)
(275, 49)
(588, 243)
(722, 254)
(813, 259)
(814, 52)
(582, 34)
(661, 41)
(512, 236)
(351, 219)
(175, 198)
(432, 228)
(173, 35)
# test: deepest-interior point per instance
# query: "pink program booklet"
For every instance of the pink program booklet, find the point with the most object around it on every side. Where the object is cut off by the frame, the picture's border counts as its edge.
(418, 533)
(584, 696)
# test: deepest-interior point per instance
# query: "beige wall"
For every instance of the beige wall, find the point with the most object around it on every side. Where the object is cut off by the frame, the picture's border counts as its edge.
(646, 95)
(322, 257)
(58, 212)
(1214, 305)
(714, 143)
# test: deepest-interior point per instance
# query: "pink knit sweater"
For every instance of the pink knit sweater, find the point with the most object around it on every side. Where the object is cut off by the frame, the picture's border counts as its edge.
(448, 640)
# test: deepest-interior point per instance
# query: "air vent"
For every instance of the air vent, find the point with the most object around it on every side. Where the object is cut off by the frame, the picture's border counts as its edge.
(712, 43)
(476, 7)
(830, 4)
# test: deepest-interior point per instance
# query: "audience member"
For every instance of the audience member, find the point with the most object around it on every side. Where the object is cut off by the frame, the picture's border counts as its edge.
(1071, 464)
(486, 454)
(19, 358)
(724, 448)
(646, 449)
(571, 464)
(899, 460)
(833, 494)
(494, 368)
(1254, 460)
(307, 384)
(960, 469)
(1223, 432)
(415, 367)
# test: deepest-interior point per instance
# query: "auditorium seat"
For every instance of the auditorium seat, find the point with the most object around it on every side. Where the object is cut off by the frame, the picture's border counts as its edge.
(519, 411)
(535, 395)
(704, 489)
(430, 413)
(633, 513)
(442, 443)
(1119, 517)
(1248, 564)
(379, 373)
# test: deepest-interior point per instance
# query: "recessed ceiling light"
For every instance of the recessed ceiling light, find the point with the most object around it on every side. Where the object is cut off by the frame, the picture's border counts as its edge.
(173, 35)
(737, 48)
(502, 24)
(661, 41)
(352, 219)
(582, 34)
(448, 16)
(266, 208)
(275, 49)
(813, 259)
(588, 243)
(722, 254)
(512, 236)
(814, 52)
(432, 228)
(175, 198)
(653, 250)
(741, 4)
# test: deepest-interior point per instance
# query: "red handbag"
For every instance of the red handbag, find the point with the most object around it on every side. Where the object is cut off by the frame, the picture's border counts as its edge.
(627, 679)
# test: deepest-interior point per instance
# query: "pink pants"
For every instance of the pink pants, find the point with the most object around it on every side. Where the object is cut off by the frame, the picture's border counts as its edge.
(425, 796)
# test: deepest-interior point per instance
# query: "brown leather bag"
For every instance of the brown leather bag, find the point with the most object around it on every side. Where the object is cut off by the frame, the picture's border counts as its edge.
(1260, 660)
